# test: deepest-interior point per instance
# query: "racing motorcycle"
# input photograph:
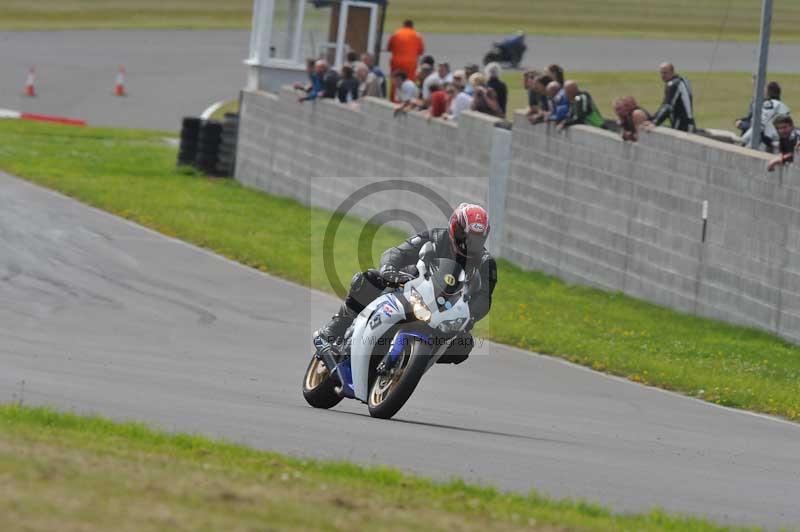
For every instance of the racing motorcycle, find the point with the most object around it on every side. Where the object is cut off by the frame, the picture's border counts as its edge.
(509, 51)
(395, 340)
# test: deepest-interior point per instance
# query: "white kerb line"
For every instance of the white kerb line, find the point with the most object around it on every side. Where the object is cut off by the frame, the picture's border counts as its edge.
(211, 109)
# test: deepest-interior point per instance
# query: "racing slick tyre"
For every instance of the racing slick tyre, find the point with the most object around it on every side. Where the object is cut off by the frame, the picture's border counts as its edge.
(318, 388)
(389, 393)
(492, 57)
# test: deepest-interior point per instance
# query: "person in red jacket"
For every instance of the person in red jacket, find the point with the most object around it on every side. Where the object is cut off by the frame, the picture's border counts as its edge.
(405, 45)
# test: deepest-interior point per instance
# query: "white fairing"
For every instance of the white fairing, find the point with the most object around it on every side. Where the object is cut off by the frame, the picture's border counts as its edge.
(380, 315)
(366, 336)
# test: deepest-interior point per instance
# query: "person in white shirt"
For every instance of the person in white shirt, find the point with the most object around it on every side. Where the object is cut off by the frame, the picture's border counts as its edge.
(441, 77)
(407, 92)
(462, 101)
(772, 108)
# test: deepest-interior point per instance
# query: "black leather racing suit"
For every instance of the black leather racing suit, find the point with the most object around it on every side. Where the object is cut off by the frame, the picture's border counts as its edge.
(368, 285)
(677, 105)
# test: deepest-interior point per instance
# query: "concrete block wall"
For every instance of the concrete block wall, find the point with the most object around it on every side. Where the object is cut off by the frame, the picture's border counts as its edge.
(591, 209)
(321, 152)
(581, 204)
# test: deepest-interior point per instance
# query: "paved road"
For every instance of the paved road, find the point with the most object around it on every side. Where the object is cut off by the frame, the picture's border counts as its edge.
(174, 73)
(100, 315)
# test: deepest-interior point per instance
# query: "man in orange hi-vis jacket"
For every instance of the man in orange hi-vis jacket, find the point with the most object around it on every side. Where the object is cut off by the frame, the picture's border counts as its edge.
(406, 45)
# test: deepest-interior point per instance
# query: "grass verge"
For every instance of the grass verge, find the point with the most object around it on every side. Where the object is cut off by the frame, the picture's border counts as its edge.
(66, 472)
(663, 19)
(132, 174)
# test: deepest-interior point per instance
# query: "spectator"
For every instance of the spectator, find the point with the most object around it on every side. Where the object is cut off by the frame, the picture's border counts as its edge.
(773, 106)
(369, 60)
(313, 79)
(428, 60)
(484, 99)
(351, 57)
(438, 101)
(497, 85)
(559, 102)
(462, 100)
(533, 98)
(582, 109)
(631, 118)
(425, 71)
(407, 92)
(324, 82)
(469, 70)
(677, 104)
(347, 89)
(452, 92)
(555, 72)
(441, 77)
(539, 88)
(406, 45)
(368, 83)
(788, 141)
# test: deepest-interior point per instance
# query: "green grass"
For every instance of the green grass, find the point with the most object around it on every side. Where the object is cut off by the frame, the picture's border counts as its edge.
(670, 19)
(230, 106)
(66, 472)
(719, 97)
(132, 173)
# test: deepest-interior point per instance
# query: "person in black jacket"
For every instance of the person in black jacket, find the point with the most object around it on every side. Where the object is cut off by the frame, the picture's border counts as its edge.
(463, 241)
(677, 104)
(347, 89)
(494, 82)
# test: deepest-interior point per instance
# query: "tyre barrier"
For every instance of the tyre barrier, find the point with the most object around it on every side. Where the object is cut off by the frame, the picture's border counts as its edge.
(209, 145)
(226, 157)
(190, 129)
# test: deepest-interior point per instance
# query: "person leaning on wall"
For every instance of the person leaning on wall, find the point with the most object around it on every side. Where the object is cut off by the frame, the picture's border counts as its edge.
(788, 141)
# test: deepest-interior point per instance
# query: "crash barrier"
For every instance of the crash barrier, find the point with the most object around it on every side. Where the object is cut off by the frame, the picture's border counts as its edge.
(209, 145)
(678, 220)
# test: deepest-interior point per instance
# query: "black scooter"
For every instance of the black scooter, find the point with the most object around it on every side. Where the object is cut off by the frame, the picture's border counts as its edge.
(509, 51)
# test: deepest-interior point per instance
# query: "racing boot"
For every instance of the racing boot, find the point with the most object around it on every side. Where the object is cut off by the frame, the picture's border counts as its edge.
(332, 333)
(329, 337)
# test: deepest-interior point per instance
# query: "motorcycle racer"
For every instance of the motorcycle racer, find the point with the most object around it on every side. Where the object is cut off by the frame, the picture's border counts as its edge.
(463, 241)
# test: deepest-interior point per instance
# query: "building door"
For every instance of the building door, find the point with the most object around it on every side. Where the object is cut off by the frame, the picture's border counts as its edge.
(353, 28)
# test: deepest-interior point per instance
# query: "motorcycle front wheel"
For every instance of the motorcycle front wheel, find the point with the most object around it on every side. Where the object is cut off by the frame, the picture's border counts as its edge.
(319, 389)
(390, 392)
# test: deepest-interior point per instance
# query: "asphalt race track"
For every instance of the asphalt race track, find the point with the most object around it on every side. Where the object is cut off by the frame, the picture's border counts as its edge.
(176, 73)
(100, 315)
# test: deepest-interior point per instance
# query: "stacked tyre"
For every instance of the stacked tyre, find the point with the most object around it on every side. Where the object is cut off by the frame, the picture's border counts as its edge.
(208, 146)
(226, 158)
(190, 132)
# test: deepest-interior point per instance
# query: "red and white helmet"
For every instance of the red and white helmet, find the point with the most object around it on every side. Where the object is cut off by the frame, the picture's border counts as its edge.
(469, 229)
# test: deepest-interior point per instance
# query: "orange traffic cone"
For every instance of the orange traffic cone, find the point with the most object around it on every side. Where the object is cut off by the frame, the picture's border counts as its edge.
(119, 88)
(30, 83)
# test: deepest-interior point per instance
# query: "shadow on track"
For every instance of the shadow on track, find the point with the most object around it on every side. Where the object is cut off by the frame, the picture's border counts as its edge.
(459, 429)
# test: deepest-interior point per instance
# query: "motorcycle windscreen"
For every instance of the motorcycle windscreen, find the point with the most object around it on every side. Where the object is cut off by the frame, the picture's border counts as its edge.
(448, 278)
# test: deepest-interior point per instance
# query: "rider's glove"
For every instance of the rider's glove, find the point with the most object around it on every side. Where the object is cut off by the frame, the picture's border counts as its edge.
(393, 277)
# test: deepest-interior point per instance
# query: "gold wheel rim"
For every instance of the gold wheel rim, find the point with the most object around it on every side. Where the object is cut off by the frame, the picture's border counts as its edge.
(316, 374)
(383, 386)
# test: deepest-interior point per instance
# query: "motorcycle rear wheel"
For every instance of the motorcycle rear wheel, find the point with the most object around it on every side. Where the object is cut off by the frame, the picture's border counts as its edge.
(319, 389)
(387, 395)
(492, 57)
